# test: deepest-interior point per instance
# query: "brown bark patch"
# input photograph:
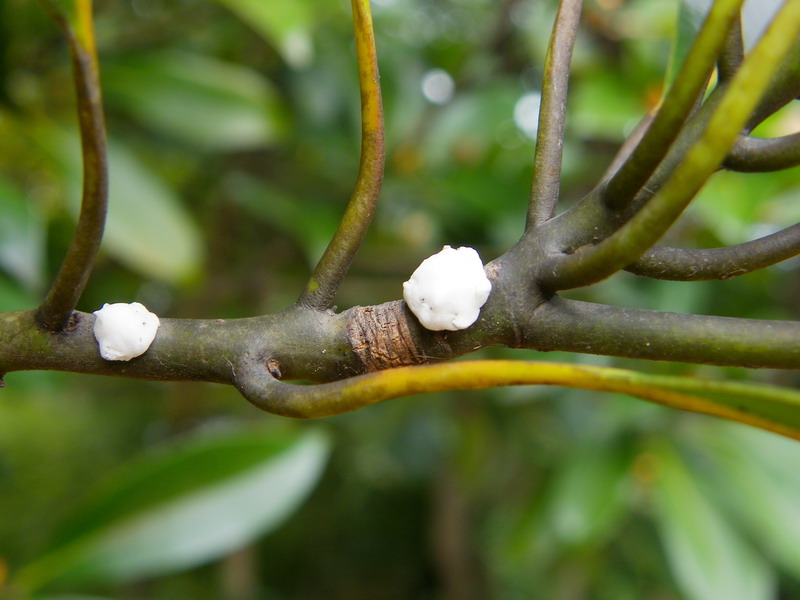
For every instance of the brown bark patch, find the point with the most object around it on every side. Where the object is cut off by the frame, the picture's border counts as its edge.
(381, 338)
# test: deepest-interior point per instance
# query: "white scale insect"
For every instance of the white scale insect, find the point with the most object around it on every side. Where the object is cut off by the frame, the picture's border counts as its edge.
(448, 289)
(124, 331)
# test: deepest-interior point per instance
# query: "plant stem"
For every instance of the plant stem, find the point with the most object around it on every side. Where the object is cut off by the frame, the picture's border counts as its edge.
(675, 108)
(336, 260)
(552, 115)
(66, 290)
(678, 264)
(758, 155)
(574, 326)
(761, 406)
(732, 55)
(596, 262)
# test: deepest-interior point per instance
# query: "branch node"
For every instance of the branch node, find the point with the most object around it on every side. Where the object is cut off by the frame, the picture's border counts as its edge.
(381, 338)
(274, 368)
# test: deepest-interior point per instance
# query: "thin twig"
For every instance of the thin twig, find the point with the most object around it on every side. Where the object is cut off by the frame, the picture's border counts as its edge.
(552, 114)
(736, 401)
(678, 264)
(732, 55)
(593, 263)
(66, 290)
(336, 260)
(675, 108)
(759, 155)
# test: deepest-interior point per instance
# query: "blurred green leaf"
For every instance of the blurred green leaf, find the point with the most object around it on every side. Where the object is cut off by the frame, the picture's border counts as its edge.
(467, 128)
(768, 407)
(587, 496)
(13, 297)
(72, 597)
(606, 106)
(312, 229)
(147, 228)
(286, 25)
(756, 15)
(756, 474)
(197, 99)
(708, 558)
(21, 237)
(184, 506)
(691, 15)
(730, 202)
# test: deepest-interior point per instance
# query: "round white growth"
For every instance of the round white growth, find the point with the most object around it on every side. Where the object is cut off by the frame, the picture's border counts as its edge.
(448, 289)
(124, 331)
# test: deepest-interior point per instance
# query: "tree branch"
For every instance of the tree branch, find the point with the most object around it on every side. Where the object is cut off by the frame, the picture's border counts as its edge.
(678, 264)
(574, 326)
(311, 345)
(593, 263)
(675, 108)
(758, 155)
(784, 88)
(336, 260)
(552, 114)
(66, 290)
(262, 389)
(732, 55)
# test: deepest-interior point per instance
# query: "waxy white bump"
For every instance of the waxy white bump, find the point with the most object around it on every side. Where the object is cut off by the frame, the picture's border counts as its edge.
(124, 331)
(448, 289)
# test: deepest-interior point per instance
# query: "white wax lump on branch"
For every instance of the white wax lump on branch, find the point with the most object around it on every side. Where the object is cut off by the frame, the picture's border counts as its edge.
(124, 331)
(448, 289)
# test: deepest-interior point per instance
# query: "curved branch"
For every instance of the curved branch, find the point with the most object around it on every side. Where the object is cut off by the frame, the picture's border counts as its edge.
(678, 264)
(552, 114)
(66, 290)
(335, 262)
(732, 55)
(760, 155)
(593, 263)
(675, 108)
(761, 406)
(784, 88)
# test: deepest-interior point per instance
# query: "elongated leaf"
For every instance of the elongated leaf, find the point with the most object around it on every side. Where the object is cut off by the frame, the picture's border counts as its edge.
(768, 407)
(757, 475)
(756, 15)
(286, 25)
(72, 597)
(183, 507)
(709, 559)
(147, 228)
(312, 229)
(587, 496)
(691, 14)
(21, 238)
(197, 99)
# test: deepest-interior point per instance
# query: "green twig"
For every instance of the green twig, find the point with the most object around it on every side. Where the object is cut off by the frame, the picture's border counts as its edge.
(675, 108)
(758, 155)
(771, 408)
(552, 114)
(336, 260)
(677, 264)
(66, 290)
(732, 55)
(593, 263)
(573, 326)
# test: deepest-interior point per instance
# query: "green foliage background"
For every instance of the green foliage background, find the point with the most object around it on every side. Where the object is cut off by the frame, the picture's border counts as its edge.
(234, 143)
